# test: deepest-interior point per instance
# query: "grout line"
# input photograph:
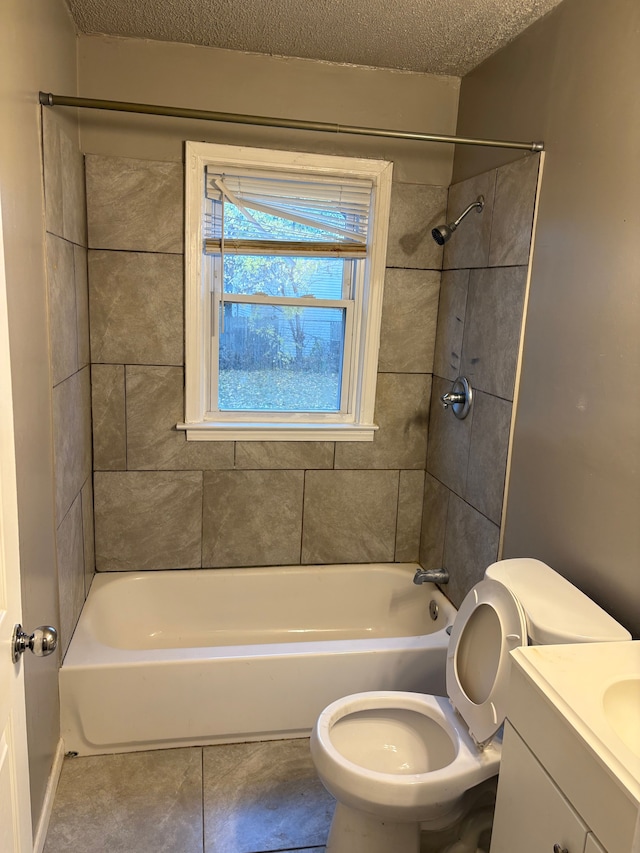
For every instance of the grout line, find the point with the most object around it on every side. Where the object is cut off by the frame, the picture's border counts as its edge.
(395, 536)
(304, 487)
(202, 522)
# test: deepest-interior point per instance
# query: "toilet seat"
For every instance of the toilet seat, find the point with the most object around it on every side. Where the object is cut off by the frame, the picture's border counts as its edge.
(490, 624)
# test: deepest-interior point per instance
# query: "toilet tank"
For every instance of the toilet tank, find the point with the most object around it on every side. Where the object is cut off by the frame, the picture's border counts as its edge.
(556, 610)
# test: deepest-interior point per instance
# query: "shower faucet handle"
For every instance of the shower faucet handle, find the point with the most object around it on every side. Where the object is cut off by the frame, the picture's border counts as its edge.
(459, 399)
(450, 398)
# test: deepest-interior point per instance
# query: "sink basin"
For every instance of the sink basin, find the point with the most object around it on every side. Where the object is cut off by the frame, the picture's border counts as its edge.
(621, 703)
(595, 687)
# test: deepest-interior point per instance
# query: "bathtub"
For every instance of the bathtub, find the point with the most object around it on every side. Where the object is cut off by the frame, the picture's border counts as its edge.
(181, 658)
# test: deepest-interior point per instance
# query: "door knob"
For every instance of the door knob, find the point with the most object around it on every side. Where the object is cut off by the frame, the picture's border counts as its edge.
(42, 642)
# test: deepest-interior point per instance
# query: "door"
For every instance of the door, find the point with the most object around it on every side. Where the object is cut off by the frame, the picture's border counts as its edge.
(15, 809)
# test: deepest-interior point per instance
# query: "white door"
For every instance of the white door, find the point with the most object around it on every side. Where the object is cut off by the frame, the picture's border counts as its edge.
(15, 810)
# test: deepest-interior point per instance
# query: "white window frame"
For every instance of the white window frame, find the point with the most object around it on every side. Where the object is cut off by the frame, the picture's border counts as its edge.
(355, 421)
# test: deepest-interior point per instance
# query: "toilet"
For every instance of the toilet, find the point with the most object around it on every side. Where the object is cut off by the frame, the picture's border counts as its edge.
(400, 762)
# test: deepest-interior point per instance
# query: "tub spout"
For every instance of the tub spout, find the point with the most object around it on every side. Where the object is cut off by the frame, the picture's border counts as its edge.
(431, 576)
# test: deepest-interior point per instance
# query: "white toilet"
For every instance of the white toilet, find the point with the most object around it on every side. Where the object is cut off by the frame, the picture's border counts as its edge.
(395, 761)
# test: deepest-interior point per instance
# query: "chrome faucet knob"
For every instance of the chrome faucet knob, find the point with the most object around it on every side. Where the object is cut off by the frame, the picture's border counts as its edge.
(450, 398)
(459, 398)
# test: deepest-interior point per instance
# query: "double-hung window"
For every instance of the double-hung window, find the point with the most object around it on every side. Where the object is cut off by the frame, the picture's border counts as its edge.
(284, 271)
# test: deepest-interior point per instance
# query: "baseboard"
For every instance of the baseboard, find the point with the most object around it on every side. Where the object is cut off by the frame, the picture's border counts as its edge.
(49, 794)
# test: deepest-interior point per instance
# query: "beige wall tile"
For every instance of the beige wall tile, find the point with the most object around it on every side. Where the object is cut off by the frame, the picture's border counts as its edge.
(452, 308)
(136, 308)
(409, 317)
(252, 518)
(469, 247)
(415, 210)
(155, 404)
(65, 199)
(52, 158)
(88, 534)
(449, 439)
(63, 330)
(471, 545)
(402, 414)
(148, 520)
(478, 336)
(284, 454)
(74, 212)
(492, 329)
(434, 523)
(134, 204)
(72, 438)
(349, 516)
(70, 559)
(488, 454)
(410, 498)
(513, 212)
(109, 423)
(82, 304)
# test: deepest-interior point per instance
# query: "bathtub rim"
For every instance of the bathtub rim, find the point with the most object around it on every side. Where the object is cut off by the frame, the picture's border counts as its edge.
(87, 650)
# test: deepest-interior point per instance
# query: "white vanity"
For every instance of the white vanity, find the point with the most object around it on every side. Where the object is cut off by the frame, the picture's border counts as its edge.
(570, 769)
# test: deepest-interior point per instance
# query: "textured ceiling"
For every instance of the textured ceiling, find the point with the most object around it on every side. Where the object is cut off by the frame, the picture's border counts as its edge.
(436, 36)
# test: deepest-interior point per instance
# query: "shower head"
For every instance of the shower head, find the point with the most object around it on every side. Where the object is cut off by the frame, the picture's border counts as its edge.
(442, 233)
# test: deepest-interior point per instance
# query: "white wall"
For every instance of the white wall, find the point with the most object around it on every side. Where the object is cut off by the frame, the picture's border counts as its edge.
(574, 498)
(230, 81)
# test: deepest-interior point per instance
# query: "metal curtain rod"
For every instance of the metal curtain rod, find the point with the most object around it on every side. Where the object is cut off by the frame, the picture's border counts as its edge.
(48, 99)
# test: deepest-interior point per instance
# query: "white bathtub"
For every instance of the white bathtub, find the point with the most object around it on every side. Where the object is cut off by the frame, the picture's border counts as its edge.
(178, 658)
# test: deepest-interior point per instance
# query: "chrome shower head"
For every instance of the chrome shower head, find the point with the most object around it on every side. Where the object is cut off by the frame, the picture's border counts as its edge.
(442, 233)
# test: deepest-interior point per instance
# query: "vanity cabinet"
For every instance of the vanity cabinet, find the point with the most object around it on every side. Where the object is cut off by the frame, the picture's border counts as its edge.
(532, 814)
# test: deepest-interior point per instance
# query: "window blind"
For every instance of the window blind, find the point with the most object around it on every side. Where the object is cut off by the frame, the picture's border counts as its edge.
(285, 208)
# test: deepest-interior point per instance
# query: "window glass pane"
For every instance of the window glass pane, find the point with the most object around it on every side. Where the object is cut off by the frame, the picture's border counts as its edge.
(281, 358)
(285, 276)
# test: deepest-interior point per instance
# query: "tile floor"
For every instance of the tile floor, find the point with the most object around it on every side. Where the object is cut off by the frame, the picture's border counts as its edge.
(236, 798)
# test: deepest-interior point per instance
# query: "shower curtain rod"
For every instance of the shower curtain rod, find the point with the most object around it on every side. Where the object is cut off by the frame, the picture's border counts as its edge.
(48, 99)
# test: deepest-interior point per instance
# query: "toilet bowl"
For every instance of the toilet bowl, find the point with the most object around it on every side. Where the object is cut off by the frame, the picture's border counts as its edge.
(398, 762)
(397, 758)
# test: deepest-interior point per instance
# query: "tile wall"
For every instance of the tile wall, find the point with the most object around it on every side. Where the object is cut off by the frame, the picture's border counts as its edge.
(478, 335)
(162, 502)
(68, 301)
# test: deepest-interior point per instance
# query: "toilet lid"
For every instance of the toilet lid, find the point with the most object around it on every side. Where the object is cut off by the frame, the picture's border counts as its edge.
(490, 623)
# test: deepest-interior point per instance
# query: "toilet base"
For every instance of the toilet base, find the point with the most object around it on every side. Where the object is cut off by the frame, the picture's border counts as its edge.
(354, 831)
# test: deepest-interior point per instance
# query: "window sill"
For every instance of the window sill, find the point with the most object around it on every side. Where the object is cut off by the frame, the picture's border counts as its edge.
(277, 432)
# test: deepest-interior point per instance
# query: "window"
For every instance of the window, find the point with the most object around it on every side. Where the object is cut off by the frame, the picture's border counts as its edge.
(284, 270)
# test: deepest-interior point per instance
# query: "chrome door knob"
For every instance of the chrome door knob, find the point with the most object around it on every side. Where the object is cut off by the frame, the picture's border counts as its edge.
(42, 642)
